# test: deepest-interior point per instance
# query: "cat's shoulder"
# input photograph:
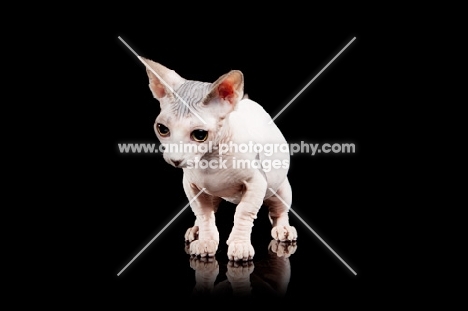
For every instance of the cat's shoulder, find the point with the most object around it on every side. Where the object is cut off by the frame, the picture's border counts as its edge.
(249, 110)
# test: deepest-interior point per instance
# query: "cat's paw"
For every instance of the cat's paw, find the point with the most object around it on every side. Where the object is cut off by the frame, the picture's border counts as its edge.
(239, 271)
(284, 233)
(203, 248)
(207, 267)
(240, 250)
(282, 249)
(238, 275)
(191, 234)
(206, 272)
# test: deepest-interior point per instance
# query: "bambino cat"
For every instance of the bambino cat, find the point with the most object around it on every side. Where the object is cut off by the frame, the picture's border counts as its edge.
(194, 114)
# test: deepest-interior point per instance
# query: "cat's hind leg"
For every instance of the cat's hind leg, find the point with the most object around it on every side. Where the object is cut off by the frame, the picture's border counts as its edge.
(278, 213)
(203, 236)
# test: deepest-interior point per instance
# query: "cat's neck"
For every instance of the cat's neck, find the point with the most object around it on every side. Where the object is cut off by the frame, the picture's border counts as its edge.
(224, 135)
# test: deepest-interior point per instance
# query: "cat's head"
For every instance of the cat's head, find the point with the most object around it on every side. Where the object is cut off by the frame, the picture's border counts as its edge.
(192, 112)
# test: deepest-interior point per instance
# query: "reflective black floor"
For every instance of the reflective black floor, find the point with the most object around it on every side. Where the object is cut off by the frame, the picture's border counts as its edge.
(279, 271)
(267, 277)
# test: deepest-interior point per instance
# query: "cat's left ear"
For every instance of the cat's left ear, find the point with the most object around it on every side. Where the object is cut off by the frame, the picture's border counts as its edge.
(229, 88)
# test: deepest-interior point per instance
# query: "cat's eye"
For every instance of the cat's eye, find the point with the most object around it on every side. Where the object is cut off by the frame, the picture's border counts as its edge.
(199, 135)
(162, 129)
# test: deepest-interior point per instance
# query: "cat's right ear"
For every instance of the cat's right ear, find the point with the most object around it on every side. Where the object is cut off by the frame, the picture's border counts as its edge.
(162, 81)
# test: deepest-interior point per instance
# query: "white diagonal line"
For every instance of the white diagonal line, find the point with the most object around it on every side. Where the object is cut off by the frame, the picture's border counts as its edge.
(310, 82)
(162, 230)
(160, 79)
(312, 230)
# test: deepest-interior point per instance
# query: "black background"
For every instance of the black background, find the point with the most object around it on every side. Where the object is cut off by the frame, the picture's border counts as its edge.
(341, 196)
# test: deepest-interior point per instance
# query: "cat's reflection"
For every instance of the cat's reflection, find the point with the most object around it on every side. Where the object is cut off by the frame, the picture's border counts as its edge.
(267, 277)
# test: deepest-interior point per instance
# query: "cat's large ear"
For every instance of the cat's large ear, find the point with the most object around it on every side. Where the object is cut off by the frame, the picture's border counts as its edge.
(229, 88)
(165, 80)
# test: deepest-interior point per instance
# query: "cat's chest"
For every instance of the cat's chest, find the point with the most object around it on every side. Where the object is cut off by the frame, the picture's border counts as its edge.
(221, 183)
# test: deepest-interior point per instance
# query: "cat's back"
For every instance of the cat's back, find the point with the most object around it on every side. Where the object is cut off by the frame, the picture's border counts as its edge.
(249, 121)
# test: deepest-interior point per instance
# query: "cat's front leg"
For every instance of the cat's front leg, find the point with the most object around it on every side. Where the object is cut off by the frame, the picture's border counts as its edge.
(240, 247)
(203, 236)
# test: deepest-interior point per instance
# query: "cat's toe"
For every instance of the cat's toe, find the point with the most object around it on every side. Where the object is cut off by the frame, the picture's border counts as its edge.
(240, 250)
(239, 270)
(284, 233)
(207, 265)
(191, 234)
(203, 248)
(282, 249)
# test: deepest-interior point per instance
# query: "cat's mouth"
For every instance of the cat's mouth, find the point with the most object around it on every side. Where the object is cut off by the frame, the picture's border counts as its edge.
(178, 163)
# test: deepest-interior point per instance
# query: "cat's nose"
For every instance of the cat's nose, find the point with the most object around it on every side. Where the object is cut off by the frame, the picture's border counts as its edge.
(176, 163)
